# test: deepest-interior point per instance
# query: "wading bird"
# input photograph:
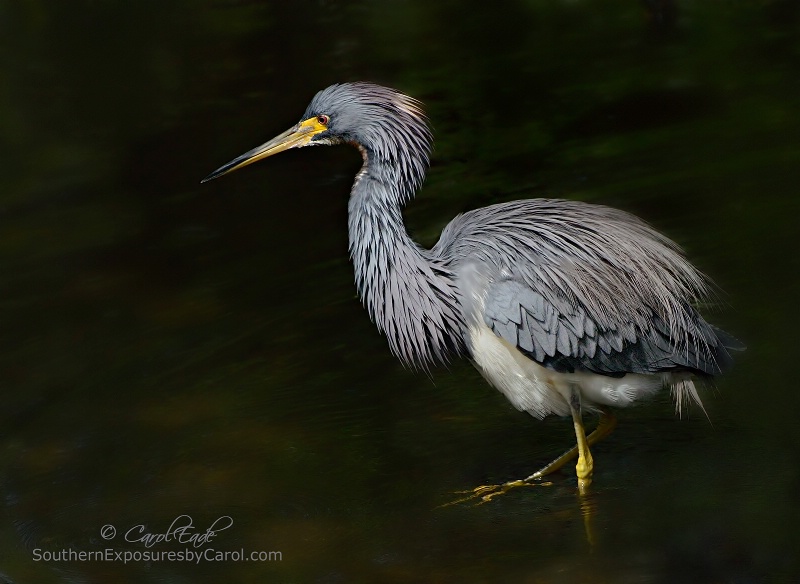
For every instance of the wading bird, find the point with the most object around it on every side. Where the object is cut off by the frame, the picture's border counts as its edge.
(563, 306)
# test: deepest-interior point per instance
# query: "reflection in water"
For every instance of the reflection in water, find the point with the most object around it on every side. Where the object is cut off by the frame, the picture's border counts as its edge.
(171, 350)
(588, 505)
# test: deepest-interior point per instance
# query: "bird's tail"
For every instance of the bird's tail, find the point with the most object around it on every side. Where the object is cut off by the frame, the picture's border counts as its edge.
(728, 341)
(683, 389)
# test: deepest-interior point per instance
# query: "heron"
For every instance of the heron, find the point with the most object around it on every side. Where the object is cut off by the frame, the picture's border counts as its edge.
(565, 307)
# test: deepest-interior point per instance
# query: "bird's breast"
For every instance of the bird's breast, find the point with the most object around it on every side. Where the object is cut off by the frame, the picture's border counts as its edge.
(527, 385)
(540, 391)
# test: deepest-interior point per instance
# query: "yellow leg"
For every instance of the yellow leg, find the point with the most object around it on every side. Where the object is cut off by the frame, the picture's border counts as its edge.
(605, 426)
(585, 466)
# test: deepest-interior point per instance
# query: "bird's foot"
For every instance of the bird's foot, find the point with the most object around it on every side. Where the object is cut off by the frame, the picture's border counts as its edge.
(486, 493)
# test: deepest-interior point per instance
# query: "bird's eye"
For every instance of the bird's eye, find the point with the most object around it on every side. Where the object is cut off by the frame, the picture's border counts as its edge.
(323, 120)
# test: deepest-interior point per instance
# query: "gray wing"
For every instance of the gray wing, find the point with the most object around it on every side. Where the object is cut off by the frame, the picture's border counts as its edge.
(577, 286)
(561, 336)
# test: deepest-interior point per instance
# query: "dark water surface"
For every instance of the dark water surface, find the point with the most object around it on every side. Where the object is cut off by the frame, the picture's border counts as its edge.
(170, 348)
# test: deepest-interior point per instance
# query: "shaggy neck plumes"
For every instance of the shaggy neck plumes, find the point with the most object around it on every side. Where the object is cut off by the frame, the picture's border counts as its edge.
(413, 301)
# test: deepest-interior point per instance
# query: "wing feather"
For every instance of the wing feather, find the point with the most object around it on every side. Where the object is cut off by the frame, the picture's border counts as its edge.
(585, 287)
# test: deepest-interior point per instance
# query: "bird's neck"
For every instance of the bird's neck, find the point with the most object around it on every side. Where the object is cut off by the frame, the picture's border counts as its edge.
(412, 298)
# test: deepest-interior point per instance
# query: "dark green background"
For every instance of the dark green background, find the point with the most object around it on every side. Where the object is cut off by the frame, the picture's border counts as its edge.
(173, 348)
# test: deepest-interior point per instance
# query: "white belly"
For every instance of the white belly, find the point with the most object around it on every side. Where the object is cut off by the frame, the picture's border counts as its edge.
(541, 391)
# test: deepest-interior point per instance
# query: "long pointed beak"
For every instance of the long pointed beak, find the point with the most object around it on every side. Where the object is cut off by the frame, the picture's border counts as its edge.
(295, 137)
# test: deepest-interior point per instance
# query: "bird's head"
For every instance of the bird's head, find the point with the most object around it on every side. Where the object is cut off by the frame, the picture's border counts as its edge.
(382, 122)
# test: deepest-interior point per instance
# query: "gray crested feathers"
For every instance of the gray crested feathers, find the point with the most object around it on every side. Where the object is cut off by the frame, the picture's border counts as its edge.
(574, 286)
(412, 300)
